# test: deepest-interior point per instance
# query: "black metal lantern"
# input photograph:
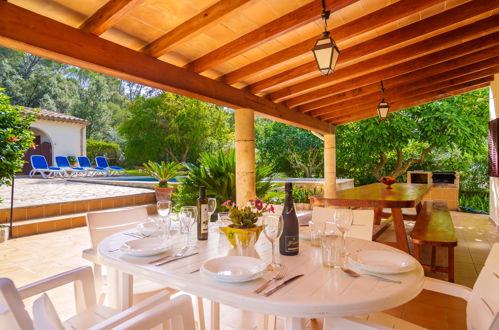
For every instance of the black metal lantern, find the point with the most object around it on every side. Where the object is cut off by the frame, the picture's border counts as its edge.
(383, 108)
(325, 51)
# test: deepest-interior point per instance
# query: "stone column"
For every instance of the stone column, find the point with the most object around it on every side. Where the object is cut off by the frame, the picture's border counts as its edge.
(245, 156)
(330, 165)
(494, 182)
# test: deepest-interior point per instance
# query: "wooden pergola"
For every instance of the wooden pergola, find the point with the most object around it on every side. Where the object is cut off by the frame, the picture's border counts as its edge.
(255, 55)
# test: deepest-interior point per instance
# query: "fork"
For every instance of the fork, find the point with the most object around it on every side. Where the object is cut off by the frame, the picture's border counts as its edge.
(277, 277)
(179, 254)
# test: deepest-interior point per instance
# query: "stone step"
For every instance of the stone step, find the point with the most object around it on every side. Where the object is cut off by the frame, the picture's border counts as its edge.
(69, 208)
(55, 223)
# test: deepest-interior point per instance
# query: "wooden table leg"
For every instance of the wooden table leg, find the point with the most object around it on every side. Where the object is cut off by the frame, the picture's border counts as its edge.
(419, 207)
(450, 265)
(294, 323)
(400, 233)
(215, 316)
(377, 215)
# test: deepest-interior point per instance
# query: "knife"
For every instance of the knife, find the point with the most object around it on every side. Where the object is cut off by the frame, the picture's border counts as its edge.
(274, 289)
(168, 261)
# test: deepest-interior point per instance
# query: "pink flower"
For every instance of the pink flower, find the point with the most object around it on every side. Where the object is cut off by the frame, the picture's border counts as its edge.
(271, 208)
(227, 203)
(258, 204)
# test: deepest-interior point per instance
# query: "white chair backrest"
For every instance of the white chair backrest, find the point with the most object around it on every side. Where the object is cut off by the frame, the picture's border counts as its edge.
(104, 223)
(482, 310)
(13, 314)
(362, 226)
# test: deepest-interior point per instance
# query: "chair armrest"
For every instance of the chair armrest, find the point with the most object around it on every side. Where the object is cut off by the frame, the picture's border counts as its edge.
(90, 255)
(82, 276)
(448, 288)
(143, 307)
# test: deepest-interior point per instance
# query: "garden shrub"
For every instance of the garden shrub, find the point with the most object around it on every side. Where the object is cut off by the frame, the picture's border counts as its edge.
(98, 148)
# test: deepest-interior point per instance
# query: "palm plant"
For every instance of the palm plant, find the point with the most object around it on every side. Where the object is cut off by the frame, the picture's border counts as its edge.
(217, 172)
(163, 171)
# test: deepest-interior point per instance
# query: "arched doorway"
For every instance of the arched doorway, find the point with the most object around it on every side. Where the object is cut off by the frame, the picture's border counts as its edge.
(43, 146)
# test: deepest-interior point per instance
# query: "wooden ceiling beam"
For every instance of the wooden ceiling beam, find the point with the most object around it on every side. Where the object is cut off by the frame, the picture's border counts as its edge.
(400, 92)
(283, 24)
(391, 71)
(451, 38)
(363, 24)
(372, 113)
(108, 15)
(373, 88)
(411, 98)
(372, 79)
(418, 29)
(192, 27)
(27, 31)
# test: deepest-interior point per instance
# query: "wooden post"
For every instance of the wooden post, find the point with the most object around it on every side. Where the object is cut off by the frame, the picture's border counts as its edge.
(494, 182)
(245, 156)
(330, 165)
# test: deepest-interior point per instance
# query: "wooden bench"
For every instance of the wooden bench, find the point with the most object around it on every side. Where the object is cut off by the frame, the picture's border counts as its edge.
(434, 227)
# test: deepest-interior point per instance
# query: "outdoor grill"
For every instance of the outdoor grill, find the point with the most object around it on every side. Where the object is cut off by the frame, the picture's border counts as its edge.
(443, 177)
(445, 185)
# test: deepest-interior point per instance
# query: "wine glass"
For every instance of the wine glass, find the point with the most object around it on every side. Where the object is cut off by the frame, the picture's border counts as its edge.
(188, 215)
(212, 207)
(272, 228)
(343, 220)
(164, 210)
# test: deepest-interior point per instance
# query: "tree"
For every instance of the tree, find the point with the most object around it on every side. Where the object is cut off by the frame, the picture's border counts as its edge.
(407, 137)
(173, 128)
(15, 138)
(287, 149)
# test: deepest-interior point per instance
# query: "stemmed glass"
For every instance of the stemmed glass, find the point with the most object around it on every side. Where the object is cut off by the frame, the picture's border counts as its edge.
(164, 210)
(343, 220)
(272, 228)
(188, 215)
(212, 207)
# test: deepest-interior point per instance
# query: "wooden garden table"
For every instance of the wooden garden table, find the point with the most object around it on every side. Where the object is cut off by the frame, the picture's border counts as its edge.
(376, 196)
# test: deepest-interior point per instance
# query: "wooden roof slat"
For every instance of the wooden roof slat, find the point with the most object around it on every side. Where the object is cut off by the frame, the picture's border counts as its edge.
(410, 98)
(192, 27)
(372, 88)
(365, 23)
(418, 29)
(56, 41)
(422, 99)
(420, 62)
(458, 35)
(406, 76)
(108, 15)
(400, 92)
(292, 20)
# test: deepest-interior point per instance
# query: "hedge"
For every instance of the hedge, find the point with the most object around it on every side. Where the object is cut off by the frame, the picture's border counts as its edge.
(109, 150)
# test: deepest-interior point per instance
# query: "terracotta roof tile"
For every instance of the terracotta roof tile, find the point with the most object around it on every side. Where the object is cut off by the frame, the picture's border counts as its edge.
(56, 116)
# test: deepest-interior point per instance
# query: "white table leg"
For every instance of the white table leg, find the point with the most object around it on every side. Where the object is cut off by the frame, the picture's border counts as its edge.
(113, 287)
(294, 323)
(120, 286)
(215, 316)
(126, 291)
(351, 323)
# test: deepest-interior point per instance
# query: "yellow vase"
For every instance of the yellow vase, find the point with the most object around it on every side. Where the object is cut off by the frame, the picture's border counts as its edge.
(230, 233)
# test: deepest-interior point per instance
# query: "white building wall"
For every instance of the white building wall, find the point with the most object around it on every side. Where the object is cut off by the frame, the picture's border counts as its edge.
(68, 139)
(494, 182)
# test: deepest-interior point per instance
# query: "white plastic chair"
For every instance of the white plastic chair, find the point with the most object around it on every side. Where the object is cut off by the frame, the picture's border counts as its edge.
(482, 310)
(155, 310)
(102, 224)
(362, 225)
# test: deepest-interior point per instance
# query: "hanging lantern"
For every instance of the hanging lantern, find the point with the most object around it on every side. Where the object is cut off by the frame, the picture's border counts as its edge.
(325, 51)
(383, 106)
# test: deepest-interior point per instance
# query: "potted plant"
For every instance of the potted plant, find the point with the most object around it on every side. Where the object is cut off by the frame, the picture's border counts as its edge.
(72, 160)
(163, 172)
(245, 218)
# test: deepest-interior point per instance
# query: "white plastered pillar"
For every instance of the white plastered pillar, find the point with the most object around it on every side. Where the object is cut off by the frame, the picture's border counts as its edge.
(494, 182)
(245, 156)
(330, 165)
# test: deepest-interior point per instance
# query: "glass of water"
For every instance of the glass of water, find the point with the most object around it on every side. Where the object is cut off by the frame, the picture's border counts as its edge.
(164, 210)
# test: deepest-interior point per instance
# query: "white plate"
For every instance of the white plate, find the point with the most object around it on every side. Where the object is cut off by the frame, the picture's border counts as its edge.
(383, 262)
(234, 269)
(144, 247)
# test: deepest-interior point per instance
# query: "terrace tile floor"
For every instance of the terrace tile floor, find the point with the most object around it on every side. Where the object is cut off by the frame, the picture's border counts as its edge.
(30, 192)
(32, 258)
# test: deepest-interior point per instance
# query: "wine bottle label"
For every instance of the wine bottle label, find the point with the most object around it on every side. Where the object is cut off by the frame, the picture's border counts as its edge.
(204, 218)
(291, 243)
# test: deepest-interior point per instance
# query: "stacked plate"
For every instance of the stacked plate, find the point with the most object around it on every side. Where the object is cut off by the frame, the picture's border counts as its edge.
(234, 269)
(144, 247)
(383, 262)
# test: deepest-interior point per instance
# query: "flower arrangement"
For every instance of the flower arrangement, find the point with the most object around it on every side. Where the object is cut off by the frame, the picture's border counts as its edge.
(247, 216)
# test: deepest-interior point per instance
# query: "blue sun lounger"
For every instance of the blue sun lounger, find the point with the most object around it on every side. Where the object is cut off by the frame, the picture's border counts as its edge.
(102, 162)
(39, 165)
(84, 163)
(63, 163)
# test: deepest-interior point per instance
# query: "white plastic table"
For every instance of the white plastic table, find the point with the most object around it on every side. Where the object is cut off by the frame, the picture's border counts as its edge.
(322, 292)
